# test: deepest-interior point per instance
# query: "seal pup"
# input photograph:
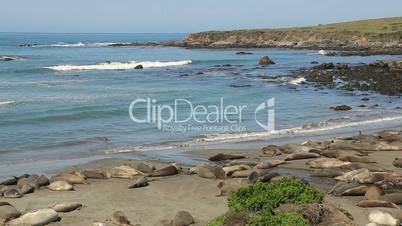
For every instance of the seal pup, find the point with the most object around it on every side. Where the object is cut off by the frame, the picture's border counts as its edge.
(301, 155)
(397, 162)
(66, 207)
(125, 172)
(271, 150)
(12, 193)
(141, 182)
(166, 171)
(382, 218)
(376, 203)
(118, 218)
(221, 156)
(322, 163)
(8, 212)
(60, 186)
(36, 217)
(210, 172)
(269, 164)
(229, 170)
(94, 174)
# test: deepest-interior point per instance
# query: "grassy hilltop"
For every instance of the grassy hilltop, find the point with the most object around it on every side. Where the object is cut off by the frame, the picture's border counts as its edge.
(373, 34)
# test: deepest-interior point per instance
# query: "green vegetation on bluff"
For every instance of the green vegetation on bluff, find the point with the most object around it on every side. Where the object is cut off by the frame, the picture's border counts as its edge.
(374, 34)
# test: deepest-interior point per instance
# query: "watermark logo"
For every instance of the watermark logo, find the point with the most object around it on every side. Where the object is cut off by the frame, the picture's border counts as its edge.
(182, 115)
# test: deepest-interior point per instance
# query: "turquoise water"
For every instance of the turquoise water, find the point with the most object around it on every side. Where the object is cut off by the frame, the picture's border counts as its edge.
(55, 115)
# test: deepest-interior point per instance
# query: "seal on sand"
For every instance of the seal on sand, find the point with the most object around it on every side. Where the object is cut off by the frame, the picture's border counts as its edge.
(60, 186)
(229, 170)
(269, 164)
(37, 217)
(301, 155)
(376, 203)
(141, 182)
(166, 171)
(125, 172)
(118, 218)
(8, 212)
(373, 193)
(66, 207)
(221, 157)
(12, 193)
(392, 197)
(210, 172)
(271, 150)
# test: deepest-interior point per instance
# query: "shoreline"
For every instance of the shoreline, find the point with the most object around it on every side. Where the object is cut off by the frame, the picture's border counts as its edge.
(183, 191)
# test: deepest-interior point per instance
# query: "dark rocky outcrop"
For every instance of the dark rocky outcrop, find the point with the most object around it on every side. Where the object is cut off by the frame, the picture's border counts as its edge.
(265, 60)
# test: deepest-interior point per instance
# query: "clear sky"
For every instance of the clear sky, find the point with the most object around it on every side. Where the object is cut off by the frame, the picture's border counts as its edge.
(132, 16)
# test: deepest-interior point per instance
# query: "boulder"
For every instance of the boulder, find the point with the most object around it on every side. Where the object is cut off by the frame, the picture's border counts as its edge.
(139, 67)
(118, 218)
(183, 218)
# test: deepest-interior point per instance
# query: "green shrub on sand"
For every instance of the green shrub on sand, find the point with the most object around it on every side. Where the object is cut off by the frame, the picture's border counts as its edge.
(260, 199)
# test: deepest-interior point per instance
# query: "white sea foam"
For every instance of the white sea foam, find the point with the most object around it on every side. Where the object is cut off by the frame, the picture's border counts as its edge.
(118, 65)
(297, 81)
(5, 103)
(80, 44)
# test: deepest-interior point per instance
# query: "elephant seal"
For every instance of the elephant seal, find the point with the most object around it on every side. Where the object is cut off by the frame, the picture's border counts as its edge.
(376, 203)
(334, 172)
(397, 162)
(12, 193)
(222, 156)
(37, 217)
(301, 155)
(66, 207)
(269, 164)
(372, 178)
(242, 174)
(382, 218)
(351, 158)
(3, 188)
(42, 181)
(226, 187)
(60, 186)
(392, 197)
(250, 163)
(210, 172)
(145, 167)
(183, 218)
(354, 175)
(71, 178)
(8, 212)
(94, 174)
(292, 148)
(322, 163)
(28, 188)
(229, 170)
(166, 171)
(271, 150)
(125, 172)
(23, 181)
(118, 218)
(359, 165)
(373, 193)
(97, 224)
(346, 189)
(266, 177)
(141, 182)
(11, 181)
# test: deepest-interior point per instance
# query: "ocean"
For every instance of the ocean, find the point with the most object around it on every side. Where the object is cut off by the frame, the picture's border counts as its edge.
(67, 98)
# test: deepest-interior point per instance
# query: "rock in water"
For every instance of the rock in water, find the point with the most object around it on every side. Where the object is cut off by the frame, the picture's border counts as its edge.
(37, 217)
(139, 66)
(221, 157)
(118, 218)
(382, 218)
(141, 182)
(210, 172)
(66, 207)
(126, 172)
(60, 186)
(397, 162)
(183, 218)
(8, 212)
(265, 60)
(342, 108)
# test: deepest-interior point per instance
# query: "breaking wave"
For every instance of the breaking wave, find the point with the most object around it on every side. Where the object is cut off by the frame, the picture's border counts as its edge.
(118, 65)
(78, 44)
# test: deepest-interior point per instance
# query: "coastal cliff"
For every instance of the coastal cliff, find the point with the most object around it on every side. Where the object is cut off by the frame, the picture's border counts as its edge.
(375, 35)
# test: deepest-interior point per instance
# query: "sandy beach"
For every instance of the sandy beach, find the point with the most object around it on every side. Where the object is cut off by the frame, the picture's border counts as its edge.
(158, 203)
